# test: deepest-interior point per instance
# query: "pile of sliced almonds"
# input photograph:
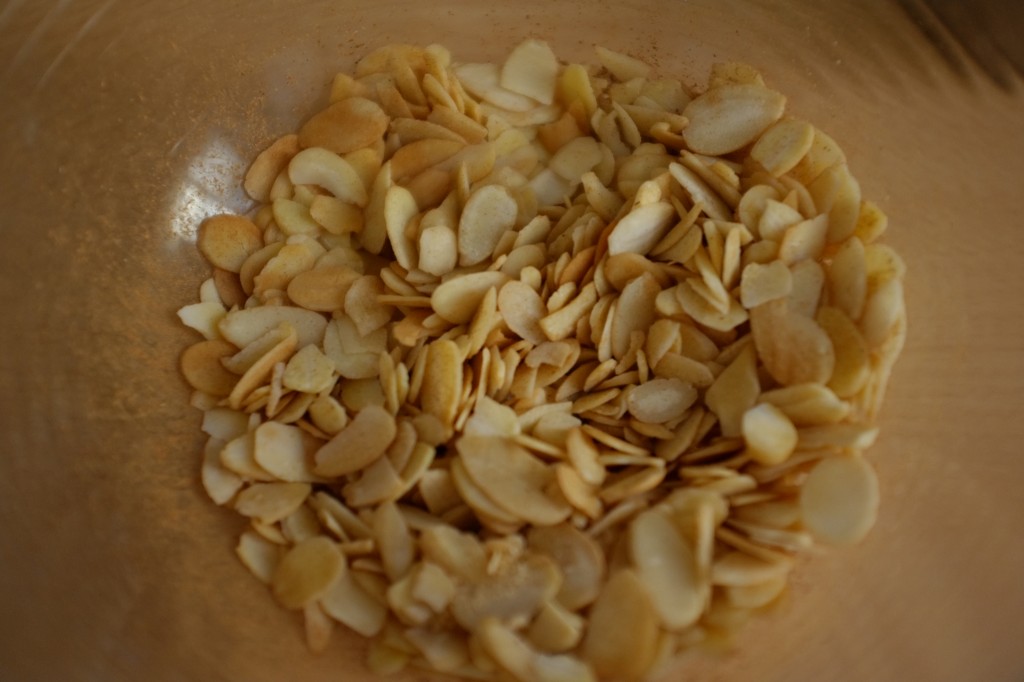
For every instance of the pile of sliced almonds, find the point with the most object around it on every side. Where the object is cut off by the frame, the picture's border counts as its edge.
(542, 371)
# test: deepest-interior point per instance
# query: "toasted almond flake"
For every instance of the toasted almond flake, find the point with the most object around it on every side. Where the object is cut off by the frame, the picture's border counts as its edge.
(661, 400)
(577, 492)
(271, 502)
(228, 240)
(242, 327)
(631, 483)
(562, 323)
(322, 289)
(620, 641)
(351, 605)
(349, 124)
(201, 366)
(737, 569)
(321, 167)
(641, 229)
(359, 444)
(804, 240)
(280, 450)
(261, 369)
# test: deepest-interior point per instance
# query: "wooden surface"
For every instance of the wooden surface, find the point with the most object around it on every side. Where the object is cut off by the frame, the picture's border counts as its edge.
(126, 123)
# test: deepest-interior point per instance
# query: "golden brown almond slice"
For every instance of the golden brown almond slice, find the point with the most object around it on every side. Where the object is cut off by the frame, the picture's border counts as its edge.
(793, 348)
(346, 125)
(780, 148)
(665, 564)
(414, 158)
(358, 445)
(307, 572)
(309, 371)
(769, 435)
(457, 299)
(254, 263)
(322, 289)
(268, 165)
(336, 216)
(513, 478)
(280, 449)
(438, 250)
(271, 502)
(363, 306)
(201, 366)
(621, 639)
(292, 218)
(321, 167)
(729, 117)
(839, 499)
(442, 381)
(488, 214)
(577, 492)
(228, 240)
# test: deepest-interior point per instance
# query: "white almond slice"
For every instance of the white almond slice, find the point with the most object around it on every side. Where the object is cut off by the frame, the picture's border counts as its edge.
(493, 419)
(259, 555)
(775, 218)
(847, 278)
(375, 233)
(805, 240)
(550, 188)
(641, 229)
(280, 449)
(701, 310)
(737, 569)
(490, 212)
(531, 69)
(808, 283)
(556, 629)
(562, 323)
(780, 148)
(220, 483)
(412, 159)
(666, 565)
(483, 81)
(808, 404)
(507, 649)
(293, 218)
(635, 312)
(358, 445)
(839, 499)
(271, 502)
(852, 368)
(205, 318)
(444, 651)
(399, 209)
(309, 371)
(793, 348)
(512, 477)
(318, 166)
(362, 304)
(620, 642)
(307, 572)
(762, 283)
(516, 591)
(769, 435)
(757, 595)
(242, 327)
(729, 117)
(336, 216)
(575, 158)
(319, 628)
(456, 300)
(734, 392)
(699, 192)
(438, 250)
(661, 400)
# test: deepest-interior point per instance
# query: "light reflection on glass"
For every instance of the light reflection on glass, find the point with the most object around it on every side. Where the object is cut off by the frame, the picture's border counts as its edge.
(212, 185)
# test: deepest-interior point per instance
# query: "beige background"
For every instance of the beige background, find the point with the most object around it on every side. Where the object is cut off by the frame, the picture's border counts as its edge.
(123, 124)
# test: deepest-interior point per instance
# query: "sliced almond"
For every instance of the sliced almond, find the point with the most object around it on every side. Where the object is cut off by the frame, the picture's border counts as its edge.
(365, 439)
(620, 642)
(665, 564)
(346, 125)
(228, 240)
(489, 213)
(839, 499)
